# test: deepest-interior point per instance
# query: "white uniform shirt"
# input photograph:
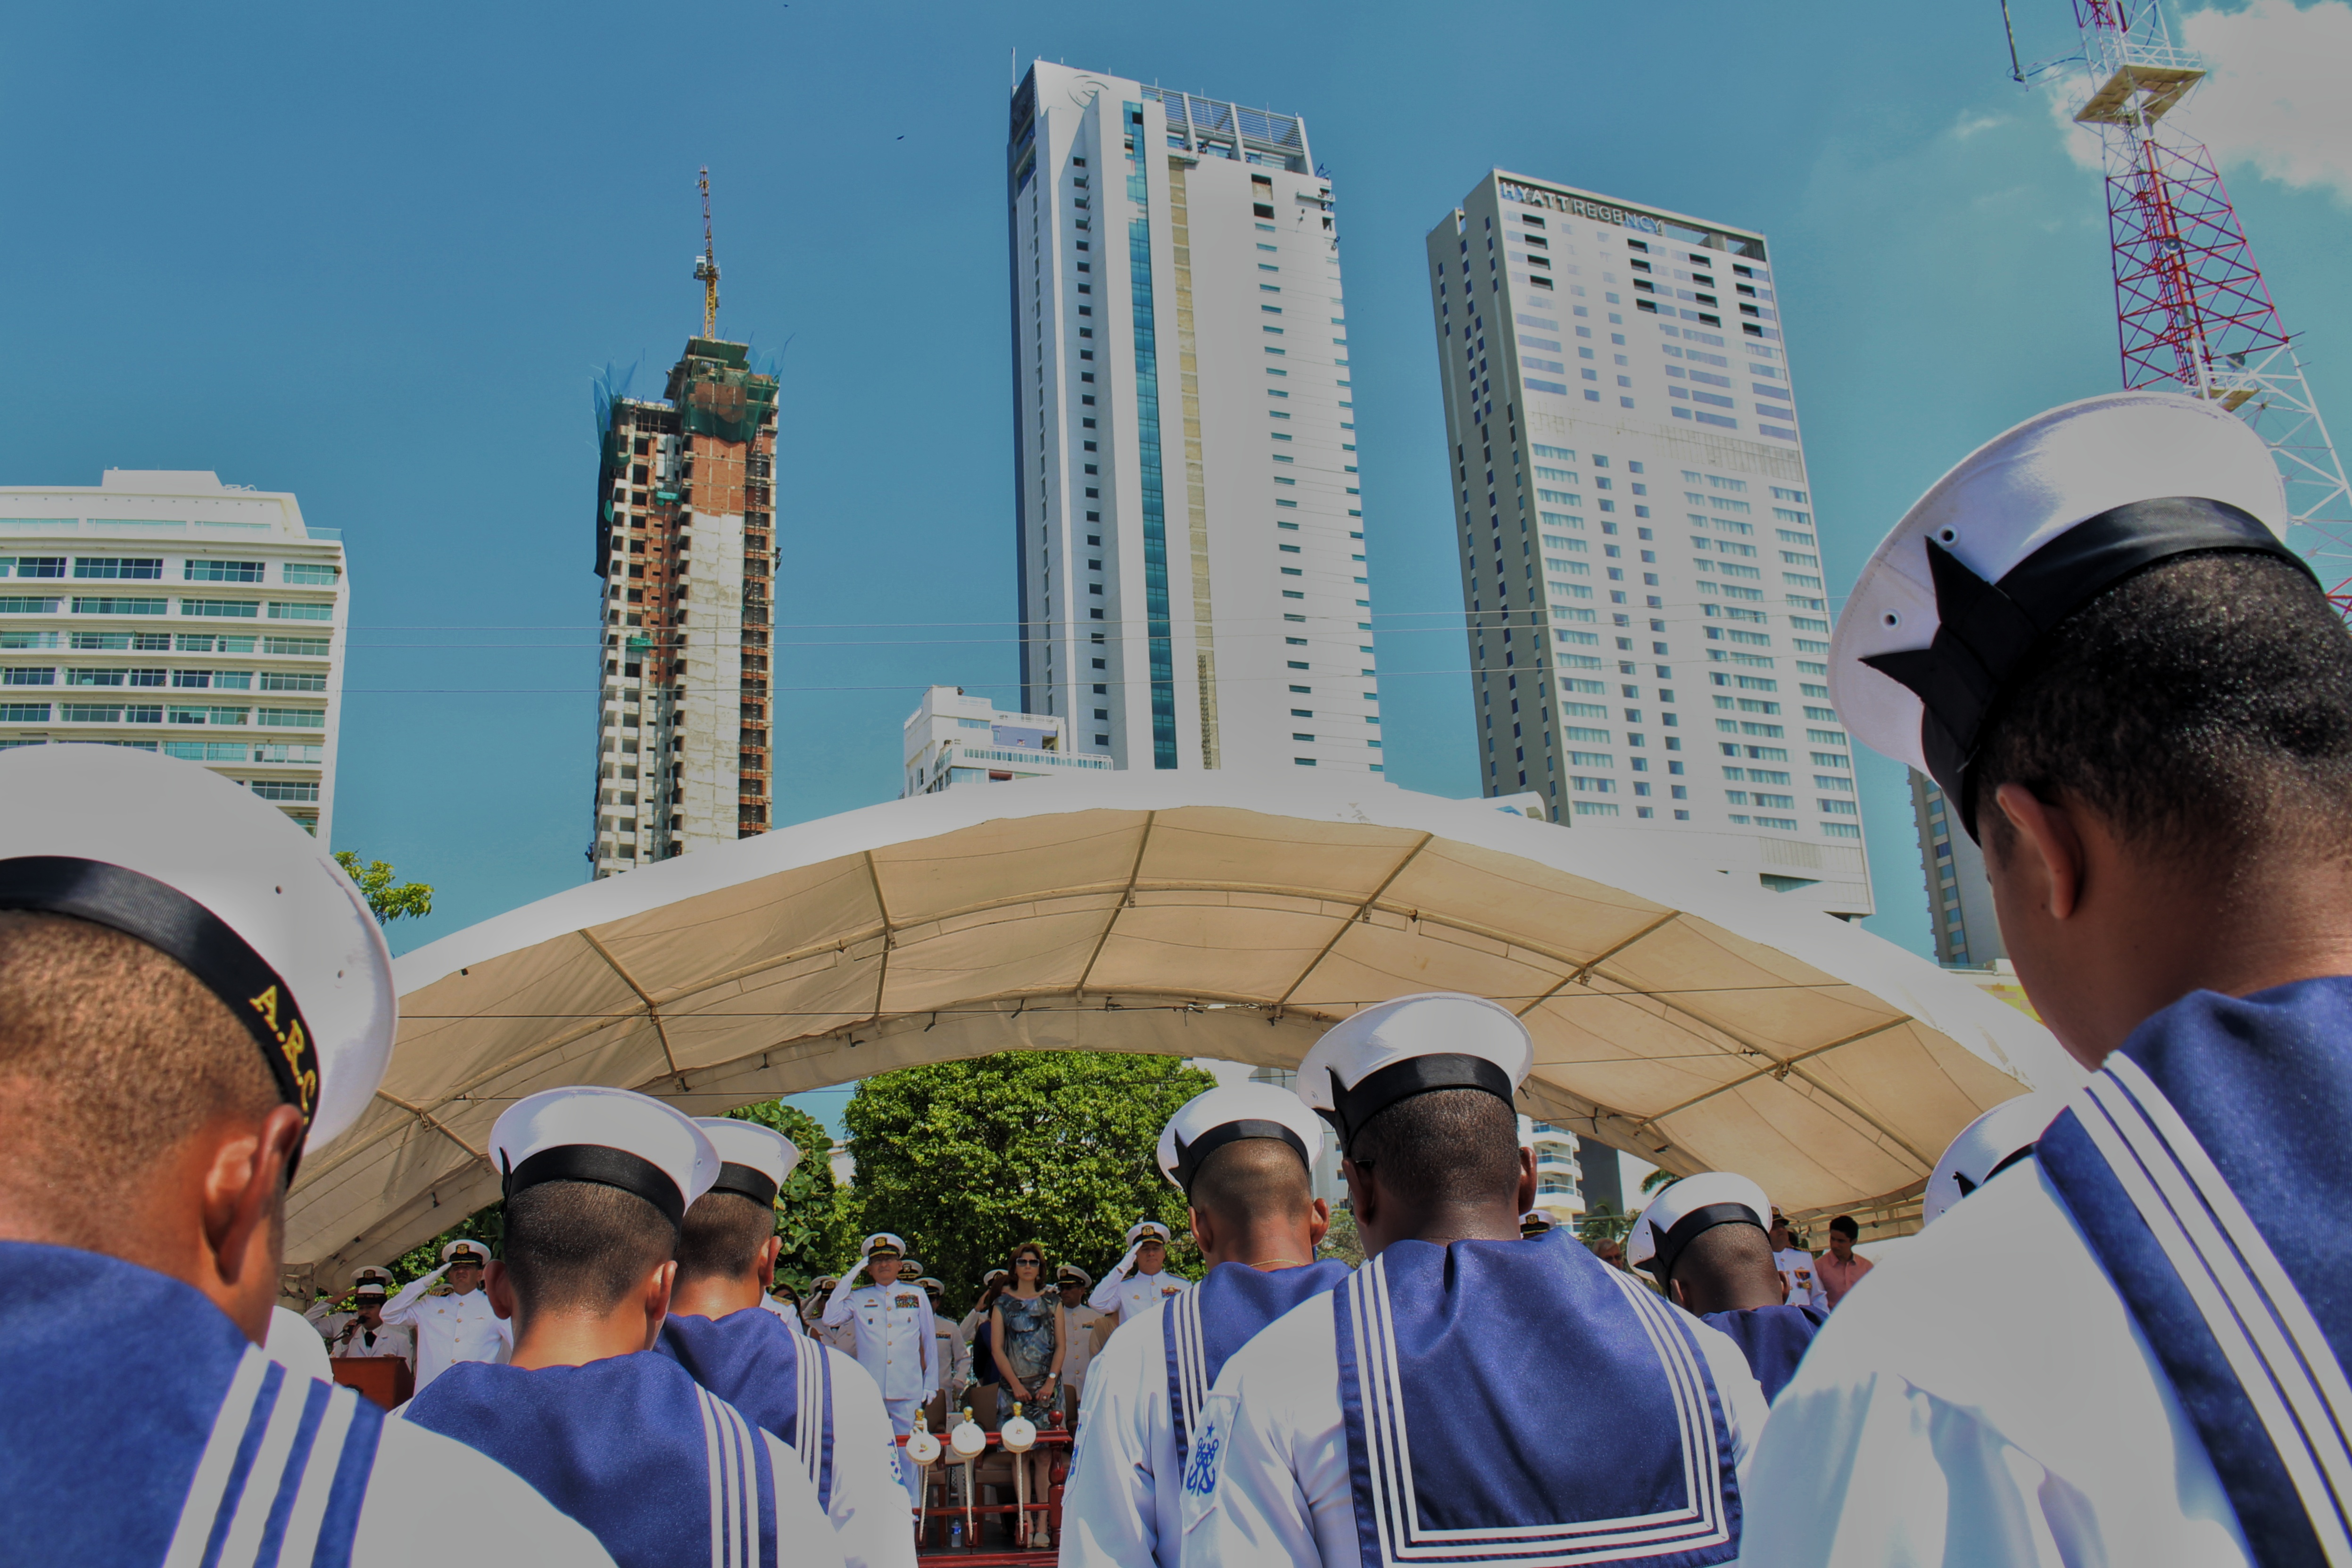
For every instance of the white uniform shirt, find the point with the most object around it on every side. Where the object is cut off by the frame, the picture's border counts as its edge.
(1078, 1355)
(1944, 1416)
(1128, 1438)
(386, 1341)
(897, 1342)
(1283, 1493)
(449, 1329)
(295, 1346)
(1129, 1296)
(1800, 1280)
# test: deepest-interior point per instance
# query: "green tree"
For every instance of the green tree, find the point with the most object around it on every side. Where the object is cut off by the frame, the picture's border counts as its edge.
(486, 1225)
(817, 1230)
(967, 1159)
(1342, 1241)
(387, 900)
(1658, 1181)
(1603, 1223)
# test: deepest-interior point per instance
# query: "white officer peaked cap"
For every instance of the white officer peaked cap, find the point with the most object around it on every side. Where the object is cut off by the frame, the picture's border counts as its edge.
(1409, 1046)
(1535, 1221)
(879, 1241)
(368, 1271)
(371, 1291)
(2025, 530)
(1072, 1271)
(754, 1159)
(1146, 1230)
(614, 1137)
(479, 1251)
(203, 870)
(1986, 1147)
(1208, 1122)
(928, 1283)
(1679, 1215)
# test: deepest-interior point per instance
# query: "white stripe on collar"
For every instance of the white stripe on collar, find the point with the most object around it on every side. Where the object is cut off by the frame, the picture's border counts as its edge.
(201, 1509)
(2264, 1327)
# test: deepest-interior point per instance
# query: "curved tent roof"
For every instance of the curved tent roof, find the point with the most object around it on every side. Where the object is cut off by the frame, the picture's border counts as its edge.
(1700, 1023)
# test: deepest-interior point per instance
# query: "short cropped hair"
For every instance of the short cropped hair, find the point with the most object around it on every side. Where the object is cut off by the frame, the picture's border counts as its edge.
(581, 1246)
(1446, 1146)
(1723, 1261)
(1252, 1178)
(722, 1237)
(1843, 1226)
(110, 1054)
(2202, 707)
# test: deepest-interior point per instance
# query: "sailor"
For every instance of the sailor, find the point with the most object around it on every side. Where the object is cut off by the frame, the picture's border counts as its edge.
(192, 999)
(1089, 1330)
(1986, 1147)
(842, 1339)
(954, 1358)
(896, 1339)
(666, 1474)
(328, 1314)
(2139, 702)
(785, 1303)
(1130, 1295)
(1466, 1394)
(813, 1397)
(1242, 1155)
(1704, 1240)
(367, 1335)
(457, 1326)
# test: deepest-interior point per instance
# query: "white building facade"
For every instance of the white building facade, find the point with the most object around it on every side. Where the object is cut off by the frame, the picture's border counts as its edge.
(1189, 530)
(166, 611)
(1559, 1177)
(1648, 621)
(1959, 893)
(952, 739)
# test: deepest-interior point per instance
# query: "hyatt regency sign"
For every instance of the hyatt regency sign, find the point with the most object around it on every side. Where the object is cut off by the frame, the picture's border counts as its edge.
(1530, 195)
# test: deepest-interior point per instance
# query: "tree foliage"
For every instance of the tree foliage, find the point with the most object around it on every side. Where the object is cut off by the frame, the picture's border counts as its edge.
(968, 1159)
(1342, 1241)
(388, 900)
(817, 1233)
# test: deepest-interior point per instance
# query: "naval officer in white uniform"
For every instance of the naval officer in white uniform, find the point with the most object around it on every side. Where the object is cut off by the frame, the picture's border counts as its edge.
(2139, 702)
(597, 1182)
(1243, 1156)
(809, 1394)
(457, 1326)
(897, 1342)
(1468, 1394)
(193, 995)
(1139, 1280)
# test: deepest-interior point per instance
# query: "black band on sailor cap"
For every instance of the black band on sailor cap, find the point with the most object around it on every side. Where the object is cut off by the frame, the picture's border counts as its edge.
(1376, 1091)
(1189, 1156)
(1686, 1230)
(1987, 633)
(200, 942)
(605, 1166)
(743, 1181)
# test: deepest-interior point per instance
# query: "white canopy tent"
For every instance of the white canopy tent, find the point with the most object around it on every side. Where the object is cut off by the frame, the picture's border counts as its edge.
(1697, 1023)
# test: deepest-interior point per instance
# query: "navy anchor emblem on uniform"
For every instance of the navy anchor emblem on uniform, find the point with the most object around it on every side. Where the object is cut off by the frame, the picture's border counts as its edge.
(1201, 1475)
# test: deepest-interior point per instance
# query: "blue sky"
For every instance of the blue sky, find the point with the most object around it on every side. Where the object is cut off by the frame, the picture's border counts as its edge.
(375, 256)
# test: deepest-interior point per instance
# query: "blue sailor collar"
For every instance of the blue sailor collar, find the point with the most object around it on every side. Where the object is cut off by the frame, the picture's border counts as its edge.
(2207, 1165)
(1773, 1338)
(1201, 1327)
(649, 1461)
(1615, 1448)
(754, 1361)
(114, 1460)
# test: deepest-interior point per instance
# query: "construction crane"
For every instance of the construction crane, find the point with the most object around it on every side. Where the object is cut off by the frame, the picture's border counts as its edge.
(706, 266)
(2192, 312)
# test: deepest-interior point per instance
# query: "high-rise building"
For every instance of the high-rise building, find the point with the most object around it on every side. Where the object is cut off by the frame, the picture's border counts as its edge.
(1559, 1176)
(685, 550)
(1189, 532)
(1960, 895)
(167, 611)
(952, 739)
(1648, 624)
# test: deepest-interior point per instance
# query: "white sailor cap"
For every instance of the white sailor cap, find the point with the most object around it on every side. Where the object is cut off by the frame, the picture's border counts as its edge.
(1145, 1230)
(1072, 1271)
(197, 867)
(614, 1137)
(465, 1251)
(993, 1275)
(1988, 1146)
(1677, 1216)
(1409, 1046)
(1210, 1120)
(754, 1159)
(2026, 529)
(883, 1241)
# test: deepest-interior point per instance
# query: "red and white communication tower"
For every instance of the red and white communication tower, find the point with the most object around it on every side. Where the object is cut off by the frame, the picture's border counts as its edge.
(2191, 307)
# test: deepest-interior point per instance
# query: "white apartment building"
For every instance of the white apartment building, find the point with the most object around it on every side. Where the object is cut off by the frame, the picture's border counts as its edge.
(167, 611)
(1648, 622)
(952, 739)
(1959, 894)
(1189, 532)
(1559, 1176)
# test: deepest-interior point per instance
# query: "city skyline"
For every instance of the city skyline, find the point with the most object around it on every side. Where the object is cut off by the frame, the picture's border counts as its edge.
(1943, 271)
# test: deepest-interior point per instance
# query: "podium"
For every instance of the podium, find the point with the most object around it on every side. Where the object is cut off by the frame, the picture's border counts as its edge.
(382, 1378)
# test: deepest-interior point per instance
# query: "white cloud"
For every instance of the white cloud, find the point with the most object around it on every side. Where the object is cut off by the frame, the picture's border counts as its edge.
(1972, 122)
(2274, 99)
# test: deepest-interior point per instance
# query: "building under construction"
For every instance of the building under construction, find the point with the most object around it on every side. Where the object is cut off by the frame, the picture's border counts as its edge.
(685, 544)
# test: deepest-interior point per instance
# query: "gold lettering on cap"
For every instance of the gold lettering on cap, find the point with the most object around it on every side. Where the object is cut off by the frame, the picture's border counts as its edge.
(267, 1006)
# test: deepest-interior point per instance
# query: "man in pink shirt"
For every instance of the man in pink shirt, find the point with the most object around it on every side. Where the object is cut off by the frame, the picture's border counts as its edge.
(1838, 1269)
